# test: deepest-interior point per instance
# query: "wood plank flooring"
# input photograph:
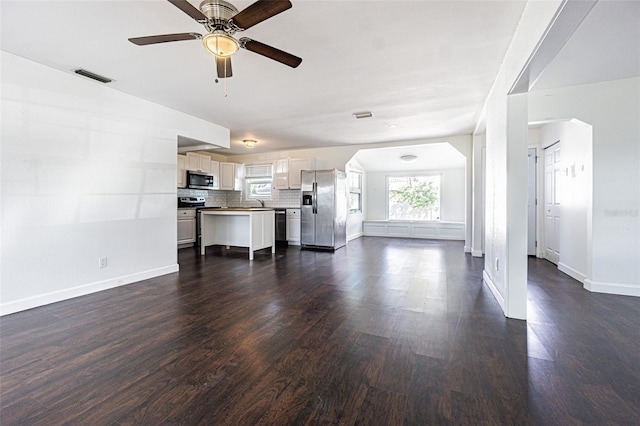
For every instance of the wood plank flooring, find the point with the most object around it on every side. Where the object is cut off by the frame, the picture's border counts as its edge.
(381, 332)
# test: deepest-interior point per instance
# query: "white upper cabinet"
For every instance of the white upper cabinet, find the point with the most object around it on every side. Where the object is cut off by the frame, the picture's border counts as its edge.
(281, 173)
(193, 161)
(205, 164)
(227, 176)
(198, 162)
(215, 171)
(296, 166)
(182, 171)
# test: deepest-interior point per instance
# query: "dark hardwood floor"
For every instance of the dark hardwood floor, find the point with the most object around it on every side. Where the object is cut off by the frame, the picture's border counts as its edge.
(381, 332)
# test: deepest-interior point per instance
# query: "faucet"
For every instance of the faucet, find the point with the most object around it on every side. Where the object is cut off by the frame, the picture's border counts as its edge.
(260, 201)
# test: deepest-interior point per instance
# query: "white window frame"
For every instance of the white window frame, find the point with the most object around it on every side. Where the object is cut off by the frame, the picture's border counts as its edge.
(261, 174)
(412, 175)
(355, 190)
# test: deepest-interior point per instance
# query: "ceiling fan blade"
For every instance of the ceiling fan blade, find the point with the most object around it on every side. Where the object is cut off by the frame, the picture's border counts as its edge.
(270, 52)
(259, 11)
(190, 10)
(224, 67)
(164, 38)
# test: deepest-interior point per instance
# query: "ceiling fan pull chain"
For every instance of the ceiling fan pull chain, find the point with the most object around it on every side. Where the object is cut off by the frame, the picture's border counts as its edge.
(225, 80)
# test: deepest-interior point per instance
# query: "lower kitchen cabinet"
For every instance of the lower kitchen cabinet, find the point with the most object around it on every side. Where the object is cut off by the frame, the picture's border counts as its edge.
(293, 227)
(186, 226)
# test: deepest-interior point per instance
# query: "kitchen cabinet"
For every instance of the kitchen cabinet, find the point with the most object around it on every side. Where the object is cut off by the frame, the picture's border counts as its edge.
(293, 227)
(296, 166)
(287, 172)
(281, 174)
(186, 226)
(215, 172)
(231, 176)
(182, 171)
(227, 176)
(198, 162)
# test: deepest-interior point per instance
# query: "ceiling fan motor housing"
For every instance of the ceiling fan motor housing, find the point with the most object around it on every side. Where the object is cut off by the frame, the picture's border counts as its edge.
(218, 11)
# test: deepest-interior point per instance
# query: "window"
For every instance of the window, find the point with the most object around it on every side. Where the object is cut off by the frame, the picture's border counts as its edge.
(258, 188)
(355, 192)
(258, 181)
(413, 197)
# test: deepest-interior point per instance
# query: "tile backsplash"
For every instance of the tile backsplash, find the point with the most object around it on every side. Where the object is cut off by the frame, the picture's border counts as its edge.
(279, 198)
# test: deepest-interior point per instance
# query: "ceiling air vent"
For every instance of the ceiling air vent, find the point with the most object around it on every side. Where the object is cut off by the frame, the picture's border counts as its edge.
(93, 76)
(363, 114)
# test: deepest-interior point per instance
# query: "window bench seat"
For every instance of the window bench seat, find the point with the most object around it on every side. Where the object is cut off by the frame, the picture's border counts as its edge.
(414, 229)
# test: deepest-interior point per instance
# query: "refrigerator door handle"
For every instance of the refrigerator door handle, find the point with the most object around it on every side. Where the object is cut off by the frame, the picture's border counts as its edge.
(315, 198)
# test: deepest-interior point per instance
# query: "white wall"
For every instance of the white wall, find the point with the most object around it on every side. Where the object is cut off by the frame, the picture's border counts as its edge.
(477, 196)
(612, 109)
(87, 172)
(574, 190)
(505, 219)
(452, 197)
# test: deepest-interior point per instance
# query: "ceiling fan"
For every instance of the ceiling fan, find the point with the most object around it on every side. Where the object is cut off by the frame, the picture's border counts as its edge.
(222, 20)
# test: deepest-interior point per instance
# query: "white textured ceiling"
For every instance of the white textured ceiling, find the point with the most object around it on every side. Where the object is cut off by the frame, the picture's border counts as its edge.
(429, 157)
(606, 46)
(426, 66)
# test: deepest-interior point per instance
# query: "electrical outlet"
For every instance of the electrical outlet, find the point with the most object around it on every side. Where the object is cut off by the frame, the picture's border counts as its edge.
(102, 262)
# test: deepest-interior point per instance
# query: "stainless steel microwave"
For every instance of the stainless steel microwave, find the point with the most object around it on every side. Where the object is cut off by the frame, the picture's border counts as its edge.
(199, 180)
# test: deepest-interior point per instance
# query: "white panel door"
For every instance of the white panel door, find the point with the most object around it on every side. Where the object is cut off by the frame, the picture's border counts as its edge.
(552, 182)
(531, 208)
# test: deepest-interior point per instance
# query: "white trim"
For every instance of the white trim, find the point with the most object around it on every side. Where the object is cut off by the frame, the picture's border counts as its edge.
(576, 275)
(82, 290)
(612, 288)
(355, 236)
(467, 249)
(494, 290)
(476, 253)
(414, 229)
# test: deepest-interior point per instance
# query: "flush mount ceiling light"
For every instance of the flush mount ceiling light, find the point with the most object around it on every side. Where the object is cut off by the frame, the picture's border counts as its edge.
(364, 114)
(409, 158)
(220, 44)
(393, 125)
(249, 143)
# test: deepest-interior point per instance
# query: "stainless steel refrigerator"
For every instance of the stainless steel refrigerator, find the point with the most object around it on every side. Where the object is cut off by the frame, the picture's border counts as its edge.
(323, 218)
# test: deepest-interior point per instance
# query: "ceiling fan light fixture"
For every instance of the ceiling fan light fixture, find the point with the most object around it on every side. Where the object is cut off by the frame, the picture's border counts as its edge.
(249, 143)
(220, 44)
(409, 158)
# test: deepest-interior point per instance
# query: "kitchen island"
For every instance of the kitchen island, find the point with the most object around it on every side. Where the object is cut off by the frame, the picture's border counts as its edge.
(240, 227)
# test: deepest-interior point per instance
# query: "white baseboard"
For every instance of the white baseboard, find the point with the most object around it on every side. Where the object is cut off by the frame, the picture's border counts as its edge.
(494, 290)
(82, 290)
(612, 288)
(476, 253)
(576, 275)
(354, 236)
(467, 249)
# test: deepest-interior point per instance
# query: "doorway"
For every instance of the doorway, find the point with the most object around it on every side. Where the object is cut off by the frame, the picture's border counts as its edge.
(531, 202)
(552, 170)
